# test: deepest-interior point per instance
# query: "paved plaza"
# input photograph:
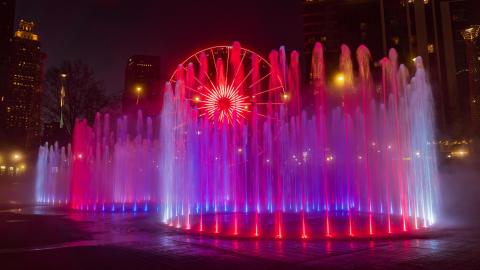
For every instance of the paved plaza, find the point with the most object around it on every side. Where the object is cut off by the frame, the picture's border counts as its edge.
(34, 237)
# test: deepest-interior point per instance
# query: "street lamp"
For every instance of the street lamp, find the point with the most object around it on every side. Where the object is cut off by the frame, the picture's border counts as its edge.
(63, 77)
(339, 80)
(16, 156)
(138, 90)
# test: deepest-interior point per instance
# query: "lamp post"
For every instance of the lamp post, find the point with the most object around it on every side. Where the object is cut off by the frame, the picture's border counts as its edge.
(63, 77)
(138, 90)
(340, 80)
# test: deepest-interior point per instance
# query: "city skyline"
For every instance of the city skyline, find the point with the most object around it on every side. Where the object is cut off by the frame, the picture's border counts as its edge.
(240, 134)
(396, 24)
(105, 41)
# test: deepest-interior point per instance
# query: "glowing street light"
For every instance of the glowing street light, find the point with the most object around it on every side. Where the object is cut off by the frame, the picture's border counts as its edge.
(16, 156)
(63, 76)
(139, 91)
(460, 153)
(339, 80)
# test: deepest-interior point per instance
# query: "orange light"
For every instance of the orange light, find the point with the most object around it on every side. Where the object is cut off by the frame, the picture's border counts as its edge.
(461, 153)
(139, 90)
(16, 156)
(340, 80)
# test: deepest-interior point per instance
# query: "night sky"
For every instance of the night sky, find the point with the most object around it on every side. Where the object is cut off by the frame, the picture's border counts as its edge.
(104, 33)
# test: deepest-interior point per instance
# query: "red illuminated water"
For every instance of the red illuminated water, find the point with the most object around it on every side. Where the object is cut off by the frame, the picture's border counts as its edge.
(237, 152)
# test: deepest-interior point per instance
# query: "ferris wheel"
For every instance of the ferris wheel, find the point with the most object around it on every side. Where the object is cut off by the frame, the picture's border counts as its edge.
(230, 83)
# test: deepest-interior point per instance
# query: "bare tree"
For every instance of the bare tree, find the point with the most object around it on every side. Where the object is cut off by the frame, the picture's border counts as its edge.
(83, 95)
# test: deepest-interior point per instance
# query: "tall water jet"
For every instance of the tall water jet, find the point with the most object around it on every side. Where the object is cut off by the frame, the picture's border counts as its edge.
(233, 152)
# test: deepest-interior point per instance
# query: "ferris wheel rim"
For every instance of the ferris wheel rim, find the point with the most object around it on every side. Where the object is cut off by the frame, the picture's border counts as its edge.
(212, 94)
(187, 60)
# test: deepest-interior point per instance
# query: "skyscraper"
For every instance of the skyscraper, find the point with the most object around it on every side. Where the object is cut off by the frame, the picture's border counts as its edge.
(7, 17)
(337, 22)
(454, 18)
(142, 85)
(471, 35)
(23, 95)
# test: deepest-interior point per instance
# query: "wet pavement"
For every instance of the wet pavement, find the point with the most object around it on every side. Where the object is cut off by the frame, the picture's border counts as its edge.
(37, 238)
(33, 237)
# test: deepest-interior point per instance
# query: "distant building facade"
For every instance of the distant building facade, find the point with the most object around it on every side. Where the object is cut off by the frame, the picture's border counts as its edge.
(52, 133)
(143, 86)
(451, 18)
(471, 35)
(23, 96)
(428, 28)
(337, 22)
(7, 18)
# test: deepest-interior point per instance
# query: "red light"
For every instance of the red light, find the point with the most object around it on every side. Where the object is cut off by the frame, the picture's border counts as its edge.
(217, 230)
(224, 102)
(370, 225)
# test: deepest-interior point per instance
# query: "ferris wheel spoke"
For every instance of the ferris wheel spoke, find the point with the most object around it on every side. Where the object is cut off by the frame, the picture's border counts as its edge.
(223, 101)
(206, 72)
(266, 116)
(214, 61)
(196, 91)
(198, 80)
(259, 80)
(244, 79)
(268, 90)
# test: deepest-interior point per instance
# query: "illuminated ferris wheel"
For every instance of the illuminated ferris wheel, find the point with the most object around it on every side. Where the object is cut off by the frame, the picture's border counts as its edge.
(229, 83)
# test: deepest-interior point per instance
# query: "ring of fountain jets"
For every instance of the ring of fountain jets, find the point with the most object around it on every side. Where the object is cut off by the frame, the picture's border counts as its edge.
(241, 149)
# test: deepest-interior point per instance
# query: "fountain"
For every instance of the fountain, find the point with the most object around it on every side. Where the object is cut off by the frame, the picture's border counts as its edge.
(233, 153)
